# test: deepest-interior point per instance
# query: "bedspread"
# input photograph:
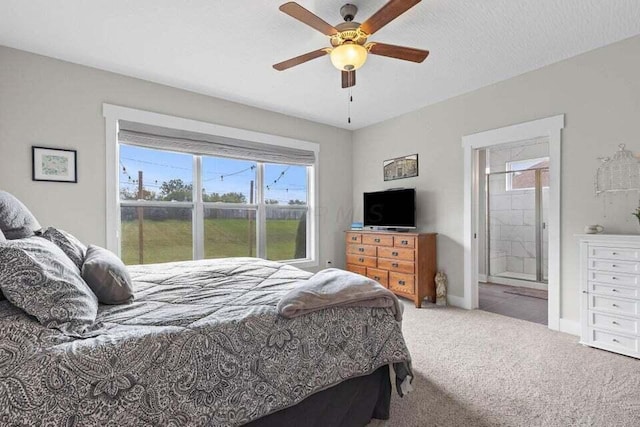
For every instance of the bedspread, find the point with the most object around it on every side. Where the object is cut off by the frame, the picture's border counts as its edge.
(202, 344)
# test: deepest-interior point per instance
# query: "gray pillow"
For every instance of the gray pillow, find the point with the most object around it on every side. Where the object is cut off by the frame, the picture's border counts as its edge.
(107, 276)
(16, 221)
(72, 247)
(36, 276)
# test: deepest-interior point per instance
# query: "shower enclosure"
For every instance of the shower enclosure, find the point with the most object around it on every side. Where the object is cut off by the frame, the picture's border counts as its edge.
(516, 221)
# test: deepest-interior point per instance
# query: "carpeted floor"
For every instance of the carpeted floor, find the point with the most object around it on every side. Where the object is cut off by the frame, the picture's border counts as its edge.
(475, 368)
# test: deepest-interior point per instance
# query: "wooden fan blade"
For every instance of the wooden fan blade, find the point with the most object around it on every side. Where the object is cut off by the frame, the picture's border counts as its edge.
(386, 14)
(348, 79)
(281, 66)
(298, 12)
(398, 52)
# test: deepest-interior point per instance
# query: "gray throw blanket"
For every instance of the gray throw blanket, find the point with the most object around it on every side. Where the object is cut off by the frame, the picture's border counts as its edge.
(333, 288)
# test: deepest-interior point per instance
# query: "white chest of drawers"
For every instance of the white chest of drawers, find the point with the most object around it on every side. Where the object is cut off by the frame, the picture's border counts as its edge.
(610, 292)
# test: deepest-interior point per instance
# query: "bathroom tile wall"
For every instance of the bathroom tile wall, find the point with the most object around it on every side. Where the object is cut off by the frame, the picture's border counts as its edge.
(512, 229)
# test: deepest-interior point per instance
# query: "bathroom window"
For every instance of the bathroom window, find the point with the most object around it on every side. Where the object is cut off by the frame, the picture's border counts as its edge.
(524, 176)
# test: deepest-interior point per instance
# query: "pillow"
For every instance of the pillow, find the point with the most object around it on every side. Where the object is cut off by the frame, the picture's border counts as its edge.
(16, 221)
(36, 276)
(2, 238)
(72, 247)
(107, 276)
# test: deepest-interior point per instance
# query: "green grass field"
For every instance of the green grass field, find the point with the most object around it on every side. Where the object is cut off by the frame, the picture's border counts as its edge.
(171, 240)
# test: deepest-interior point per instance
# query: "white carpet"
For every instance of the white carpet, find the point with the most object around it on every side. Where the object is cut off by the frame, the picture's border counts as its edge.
(475, 368)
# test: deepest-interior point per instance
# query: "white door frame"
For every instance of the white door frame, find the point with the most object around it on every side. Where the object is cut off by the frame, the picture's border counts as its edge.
(550, 128)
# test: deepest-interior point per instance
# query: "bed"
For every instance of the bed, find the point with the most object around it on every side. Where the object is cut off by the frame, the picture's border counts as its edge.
(202, 344)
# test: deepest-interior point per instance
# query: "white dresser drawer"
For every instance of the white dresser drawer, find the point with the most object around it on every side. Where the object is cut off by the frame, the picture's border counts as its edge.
(616, 324)
(614, 305)
(614, 290)
(613, 278)
(624, 254)
(613, 341)
(614, 266)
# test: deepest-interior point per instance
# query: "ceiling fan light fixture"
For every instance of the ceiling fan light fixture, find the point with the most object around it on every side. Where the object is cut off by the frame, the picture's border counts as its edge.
(348, 56)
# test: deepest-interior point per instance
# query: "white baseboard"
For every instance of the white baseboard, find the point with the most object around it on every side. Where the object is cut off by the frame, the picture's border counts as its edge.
(570, 327)
(482, 278)
(456, 301)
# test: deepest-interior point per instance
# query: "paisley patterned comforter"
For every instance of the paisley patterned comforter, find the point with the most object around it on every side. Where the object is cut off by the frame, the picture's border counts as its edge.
(202, 344)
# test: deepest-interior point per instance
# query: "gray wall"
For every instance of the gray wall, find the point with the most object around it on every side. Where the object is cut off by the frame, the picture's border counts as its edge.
(600, 94)
(48, 102)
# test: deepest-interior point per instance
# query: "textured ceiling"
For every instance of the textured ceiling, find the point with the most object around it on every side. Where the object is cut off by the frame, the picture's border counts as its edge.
(226, 48)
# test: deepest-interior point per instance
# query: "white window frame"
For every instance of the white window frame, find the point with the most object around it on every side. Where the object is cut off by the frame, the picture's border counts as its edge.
(509, 176)
(114, 113)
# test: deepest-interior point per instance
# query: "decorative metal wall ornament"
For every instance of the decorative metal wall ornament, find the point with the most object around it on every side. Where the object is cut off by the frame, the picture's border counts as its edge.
(621, 172)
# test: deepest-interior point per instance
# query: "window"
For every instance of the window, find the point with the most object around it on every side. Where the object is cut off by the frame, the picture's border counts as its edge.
(524, 176)
(180, 206)
(285, 190)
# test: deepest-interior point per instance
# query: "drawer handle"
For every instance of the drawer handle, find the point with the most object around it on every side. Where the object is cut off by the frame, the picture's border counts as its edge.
(360, 249)
(354, 238)
(376, 240)
(613, 265)
(613, 322)
(394, 253)
(614, 305)
(405, 242)
(394, 264)
(376, 277)
(615, 340)
(614, 290)
(614, 278)
(401, 282)
(614, 253)
(361, 259)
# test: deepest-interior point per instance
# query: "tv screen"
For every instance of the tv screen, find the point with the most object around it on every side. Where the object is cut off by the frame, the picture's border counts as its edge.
(391, 208)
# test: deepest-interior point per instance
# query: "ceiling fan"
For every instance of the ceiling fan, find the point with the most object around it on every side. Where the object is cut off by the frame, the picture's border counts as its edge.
(349, 38)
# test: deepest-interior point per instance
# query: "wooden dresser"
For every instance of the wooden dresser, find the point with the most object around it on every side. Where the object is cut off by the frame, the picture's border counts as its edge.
(610, 292)
(403, 262)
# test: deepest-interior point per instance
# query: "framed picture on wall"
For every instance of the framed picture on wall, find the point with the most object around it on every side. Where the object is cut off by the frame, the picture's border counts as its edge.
(54, 164)
(401, 167)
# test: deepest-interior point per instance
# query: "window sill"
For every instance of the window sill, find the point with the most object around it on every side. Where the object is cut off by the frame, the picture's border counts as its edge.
(303, 263)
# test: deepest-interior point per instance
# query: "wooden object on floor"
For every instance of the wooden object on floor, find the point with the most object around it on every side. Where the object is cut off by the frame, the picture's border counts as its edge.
(403, 262)
(610, 292)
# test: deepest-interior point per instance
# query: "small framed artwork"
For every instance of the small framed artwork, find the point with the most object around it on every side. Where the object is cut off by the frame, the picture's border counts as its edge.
(54, 164)
(401, 167)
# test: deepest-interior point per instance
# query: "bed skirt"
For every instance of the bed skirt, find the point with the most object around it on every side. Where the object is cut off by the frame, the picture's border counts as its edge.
(349, 404)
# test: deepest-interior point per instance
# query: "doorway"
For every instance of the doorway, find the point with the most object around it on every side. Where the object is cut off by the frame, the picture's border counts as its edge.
(513, 267)
(551, 129)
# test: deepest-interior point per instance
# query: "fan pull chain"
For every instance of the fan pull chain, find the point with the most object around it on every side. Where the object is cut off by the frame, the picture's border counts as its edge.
(349, 106)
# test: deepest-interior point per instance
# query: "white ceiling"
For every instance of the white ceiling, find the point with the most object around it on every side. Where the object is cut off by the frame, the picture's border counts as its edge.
(226, 48)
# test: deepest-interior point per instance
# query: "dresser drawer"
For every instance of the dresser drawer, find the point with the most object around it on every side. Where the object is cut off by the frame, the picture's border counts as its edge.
(403, 283)
(359, 269)
(354, 237)
(614, 266)
(377, 239)
(624, 254)
(367, 261)
(613, 341)
(613, 305)
(614, 278)
(614, 290)
(616, 324)
(380, 276)
(397, 253)
(404, 242)
(361, 250)
(396, 265)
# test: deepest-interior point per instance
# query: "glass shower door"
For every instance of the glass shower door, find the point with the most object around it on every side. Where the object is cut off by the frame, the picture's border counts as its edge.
(516, 224)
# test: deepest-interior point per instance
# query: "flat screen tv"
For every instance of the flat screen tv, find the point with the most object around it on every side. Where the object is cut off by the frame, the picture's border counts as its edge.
(394, 209)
